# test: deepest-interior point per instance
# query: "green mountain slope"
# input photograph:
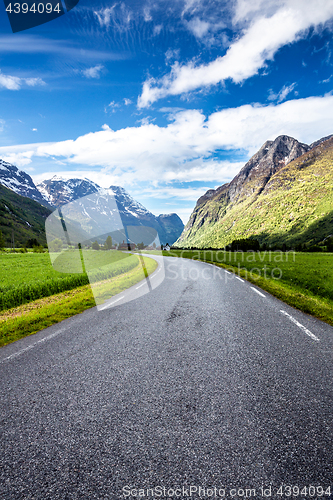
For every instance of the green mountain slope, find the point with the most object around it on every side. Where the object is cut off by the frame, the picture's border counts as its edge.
(294, 205)
(22, 215)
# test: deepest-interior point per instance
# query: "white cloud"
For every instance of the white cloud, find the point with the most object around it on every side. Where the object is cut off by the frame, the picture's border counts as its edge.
(258, 43)
(93, 72)
(104, 16)
(146, 14)
(187, 149)
(111, 107)
(15, 83)
(19, 155)
(34, 129)
(157, 29)
(2, 125)
(105, 127)
(327, 80)
(197, 27)
(281, 96)
(33, 82)
(191, 6)
(172, 54)
(127, 101)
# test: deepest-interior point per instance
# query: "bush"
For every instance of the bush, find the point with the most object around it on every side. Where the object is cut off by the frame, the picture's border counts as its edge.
(38, 249)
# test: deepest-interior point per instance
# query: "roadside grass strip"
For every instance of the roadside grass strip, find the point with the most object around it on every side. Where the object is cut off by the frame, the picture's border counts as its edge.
(316, 306)
(30, 318)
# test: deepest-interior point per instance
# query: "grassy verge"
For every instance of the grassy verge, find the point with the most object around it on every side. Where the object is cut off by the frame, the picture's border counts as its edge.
(306, 280)
(28, 277)
(318, 307)
(30, 318)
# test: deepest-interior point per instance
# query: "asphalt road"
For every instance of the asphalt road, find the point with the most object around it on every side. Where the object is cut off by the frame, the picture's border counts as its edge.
(203, 382)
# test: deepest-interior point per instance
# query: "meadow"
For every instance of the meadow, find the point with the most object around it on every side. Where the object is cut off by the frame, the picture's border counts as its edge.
(27, 277)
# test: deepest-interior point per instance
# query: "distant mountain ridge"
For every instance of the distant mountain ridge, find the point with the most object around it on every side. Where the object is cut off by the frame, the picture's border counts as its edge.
(260, 203)
(57, 191)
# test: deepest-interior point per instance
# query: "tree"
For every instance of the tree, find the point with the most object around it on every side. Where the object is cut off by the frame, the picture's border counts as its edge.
(32, 242)
(108, 243)
(95, 245)
(2, 241)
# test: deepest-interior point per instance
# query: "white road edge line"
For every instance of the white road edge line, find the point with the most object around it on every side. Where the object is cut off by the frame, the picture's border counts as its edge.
(227, 272)
(240, 279)
(305, 330)
(108, 305)
(18, 353)
(259, 293)
(144, 283)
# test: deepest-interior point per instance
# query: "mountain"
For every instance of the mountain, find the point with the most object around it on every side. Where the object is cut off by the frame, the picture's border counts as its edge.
(282, 195)
(20, 182)
(173, 227)
(58, 192)
(22, 215)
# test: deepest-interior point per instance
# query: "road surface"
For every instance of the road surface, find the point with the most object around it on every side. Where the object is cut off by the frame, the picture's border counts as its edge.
(205, 382)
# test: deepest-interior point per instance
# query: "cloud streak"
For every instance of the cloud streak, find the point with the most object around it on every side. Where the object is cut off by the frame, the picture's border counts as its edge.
(245, 56)
(10, 82)
(93, 72)
(189, 148)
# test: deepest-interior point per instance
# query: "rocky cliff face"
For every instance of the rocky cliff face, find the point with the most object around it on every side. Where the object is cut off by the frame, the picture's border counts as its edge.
(173, 227)
(270, 158)
(20, 182)
(245, 188)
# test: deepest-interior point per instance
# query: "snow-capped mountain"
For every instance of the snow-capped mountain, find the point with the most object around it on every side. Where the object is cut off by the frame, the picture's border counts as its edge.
(20, 182)
(58, 191)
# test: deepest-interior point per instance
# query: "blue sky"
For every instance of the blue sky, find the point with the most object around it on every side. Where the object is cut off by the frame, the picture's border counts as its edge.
(164, 98)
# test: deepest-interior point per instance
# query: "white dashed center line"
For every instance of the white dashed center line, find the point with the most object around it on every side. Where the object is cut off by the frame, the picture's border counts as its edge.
(257, 291)
(302, 327)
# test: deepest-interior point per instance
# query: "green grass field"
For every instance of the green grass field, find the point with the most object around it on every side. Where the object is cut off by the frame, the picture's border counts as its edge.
(31, 276)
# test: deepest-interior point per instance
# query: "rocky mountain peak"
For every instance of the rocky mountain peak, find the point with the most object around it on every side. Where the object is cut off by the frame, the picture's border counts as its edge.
(270, 158)
(58, 191)
(20, 182)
